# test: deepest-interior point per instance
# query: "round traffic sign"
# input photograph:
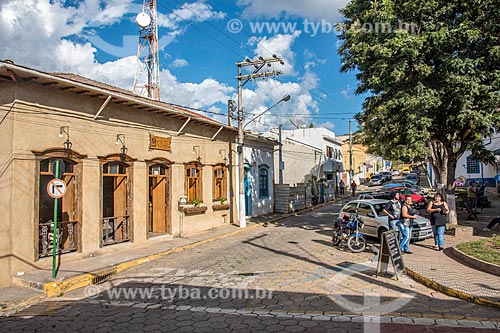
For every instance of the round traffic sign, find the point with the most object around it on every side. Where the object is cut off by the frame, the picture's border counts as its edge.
(56, 188)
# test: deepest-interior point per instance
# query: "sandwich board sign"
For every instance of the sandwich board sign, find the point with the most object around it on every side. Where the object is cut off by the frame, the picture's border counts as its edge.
(390, 252)
(56, 188)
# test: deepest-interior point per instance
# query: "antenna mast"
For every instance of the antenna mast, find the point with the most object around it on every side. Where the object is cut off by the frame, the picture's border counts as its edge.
(147, 73)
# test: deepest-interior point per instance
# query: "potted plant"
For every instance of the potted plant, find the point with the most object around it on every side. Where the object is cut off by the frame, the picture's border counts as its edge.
(222, 204)
(196, 209)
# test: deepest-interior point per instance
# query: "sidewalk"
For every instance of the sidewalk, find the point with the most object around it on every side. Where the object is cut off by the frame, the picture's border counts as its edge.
(435, 269)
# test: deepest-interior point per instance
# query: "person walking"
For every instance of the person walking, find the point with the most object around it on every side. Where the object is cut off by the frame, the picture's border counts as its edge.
(342, 187)
(353, 188)
(408, 214)
(439, 216)
(393, 210)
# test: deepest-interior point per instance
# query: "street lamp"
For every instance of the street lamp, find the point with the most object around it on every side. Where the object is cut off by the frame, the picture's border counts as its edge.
(241, 167)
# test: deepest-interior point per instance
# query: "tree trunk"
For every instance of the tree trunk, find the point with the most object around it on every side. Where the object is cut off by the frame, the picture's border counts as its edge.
(444, 165)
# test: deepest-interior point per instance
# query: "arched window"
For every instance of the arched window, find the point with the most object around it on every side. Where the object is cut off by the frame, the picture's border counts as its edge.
(263, 181)
(219, 182)
(194, 190)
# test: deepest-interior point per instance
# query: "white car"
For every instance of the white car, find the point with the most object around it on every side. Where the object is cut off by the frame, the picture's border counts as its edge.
(372, 213)
(395, 172)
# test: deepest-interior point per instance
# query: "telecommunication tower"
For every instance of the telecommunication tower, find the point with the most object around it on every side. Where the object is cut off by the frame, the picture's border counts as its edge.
(147, 73)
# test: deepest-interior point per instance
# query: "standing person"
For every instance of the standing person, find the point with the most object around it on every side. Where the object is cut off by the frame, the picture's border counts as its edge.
(393, 211)
(342, 187)
(408, 214)
(353, 188)
(439, 216)
(481, 196)
(471, 196)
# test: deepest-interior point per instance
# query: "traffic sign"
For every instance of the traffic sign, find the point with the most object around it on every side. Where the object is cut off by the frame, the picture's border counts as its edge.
(56, 188)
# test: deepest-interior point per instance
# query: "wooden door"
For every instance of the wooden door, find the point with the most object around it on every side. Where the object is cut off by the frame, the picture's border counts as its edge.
(159, 201)
(120, 205)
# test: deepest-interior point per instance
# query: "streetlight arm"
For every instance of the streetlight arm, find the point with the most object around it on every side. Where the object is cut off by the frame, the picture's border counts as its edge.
(285, 98)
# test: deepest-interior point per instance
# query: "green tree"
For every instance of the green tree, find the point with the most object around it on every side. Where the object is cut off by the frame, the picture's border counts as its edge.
(431, 70)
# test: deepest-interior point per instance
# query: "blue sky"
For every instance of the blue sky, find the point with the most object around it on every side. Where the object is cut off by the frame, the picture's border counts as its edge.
(200, 43)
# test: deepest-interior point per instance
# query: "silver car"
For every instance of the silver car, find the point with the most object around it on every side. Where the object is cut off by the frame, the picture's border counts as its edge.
(372, 213)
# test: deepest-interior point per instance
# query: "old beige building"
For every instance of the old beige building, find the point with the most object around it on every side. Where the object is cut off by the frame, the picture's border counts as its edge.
(131, 167)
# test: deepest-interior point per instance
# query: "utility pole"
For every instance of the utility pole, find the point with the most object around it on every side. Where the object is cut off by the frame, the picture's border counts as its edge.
(230, 112)
(351, 173)
(258, 64)
(281, 166)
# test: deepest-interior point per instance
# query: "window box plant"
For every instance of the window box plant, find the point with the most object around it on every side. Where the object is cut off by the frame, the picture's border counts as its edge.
(221, 204)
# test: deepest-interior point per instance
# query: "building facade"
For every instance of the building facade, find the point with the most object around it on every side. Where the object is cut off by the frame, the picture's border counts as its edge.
(129, 169)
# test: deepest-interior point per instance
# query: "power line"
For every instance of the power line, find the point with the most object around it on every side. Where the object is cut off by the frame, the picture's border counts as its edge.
(320, 98)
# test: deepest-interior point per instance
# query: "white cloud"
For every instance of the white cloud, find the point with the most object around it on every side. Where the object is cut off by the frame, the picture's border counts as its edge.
(281, 45)
(197, 95)
(178, 63)
(347, 92)
(196, 11)
(314, 10)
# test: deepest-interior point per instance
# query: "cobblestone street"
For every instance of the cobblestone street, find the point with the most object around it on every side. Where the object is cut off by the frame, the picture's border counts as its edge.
(279, 277)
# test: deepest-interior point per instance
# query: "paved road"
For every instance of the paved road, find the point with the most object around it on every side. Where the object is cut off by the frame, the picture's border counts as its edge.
(283, 277)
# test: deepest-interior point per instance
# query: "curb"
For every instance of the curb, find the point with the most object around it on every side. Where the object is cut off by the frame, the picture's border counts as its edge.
(56, 288)
(474, 262)
(450, 291)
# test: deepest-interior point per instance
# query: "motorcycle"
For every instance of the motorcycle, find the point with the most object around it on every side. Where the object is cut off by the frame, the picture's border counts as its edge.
(346, 228)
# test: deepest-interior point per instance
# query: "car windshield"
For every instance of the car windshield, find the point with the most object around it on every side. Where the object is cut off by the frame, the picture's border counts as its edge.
(379, 208)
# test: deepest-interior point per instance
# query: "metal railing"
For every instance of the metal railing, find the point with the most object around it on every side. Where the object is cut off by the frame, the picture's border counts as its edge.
(115, 229)
(67, 234)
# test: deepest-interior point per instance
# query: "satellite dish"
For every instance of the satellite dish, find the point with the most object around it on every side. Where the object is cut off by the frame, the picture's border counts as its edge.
(143, 20)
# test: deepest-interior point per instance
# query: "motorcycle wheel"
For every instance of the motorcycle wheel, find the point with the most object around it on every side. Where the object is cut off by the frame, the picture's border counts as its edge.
(358, 245)
(336, 238)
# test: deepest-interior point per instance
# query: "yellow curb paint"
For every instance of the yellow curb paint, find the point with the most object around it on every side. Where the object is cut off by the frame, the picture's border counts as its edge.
(56, 288)
(451, 292)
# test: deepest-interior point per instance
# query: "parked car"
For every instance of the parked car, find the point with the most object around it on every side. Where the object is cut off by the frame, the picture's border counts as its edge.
(372, 213)
(376, 180)
(413, 178)
(418, 200)
(411, 186)
(371, 195)
(415, 169)
(405, 170)
(395, 172)
(386, 174)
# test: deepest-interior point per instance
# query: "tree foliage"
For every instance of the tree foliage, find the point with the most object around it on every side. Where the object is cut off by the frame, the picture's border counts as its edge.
(432, 72)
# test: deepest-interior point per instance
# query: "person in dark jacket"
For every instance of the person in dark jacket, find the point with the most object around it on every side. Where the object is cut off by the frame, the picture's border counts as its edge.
(439, 217)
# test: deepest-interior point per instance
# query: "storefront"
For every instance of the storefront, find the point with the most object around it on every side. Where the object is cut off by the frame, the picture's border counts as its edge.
(132, 168)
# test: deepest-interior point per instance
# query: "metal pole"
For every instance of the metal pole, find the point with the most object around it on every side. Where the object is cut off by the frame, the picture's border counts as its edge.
(230, 110)
(241, 166)
(54, 235)
(351, 173)
(281, 167)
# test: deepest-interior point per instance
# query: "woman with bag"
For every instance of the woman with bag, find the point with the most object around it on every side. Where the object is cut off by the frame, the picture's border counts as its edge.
(439, 216)
(408, 214)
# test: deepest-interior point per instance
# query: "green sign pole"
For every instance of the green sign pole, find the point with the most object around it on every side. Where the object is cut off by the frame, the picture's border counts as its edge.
(54, 238)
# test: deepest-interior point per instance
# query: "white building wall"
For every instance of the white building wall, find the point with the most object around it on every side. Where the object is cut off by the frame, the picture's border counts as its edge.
(486, 171)
(256, 155)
